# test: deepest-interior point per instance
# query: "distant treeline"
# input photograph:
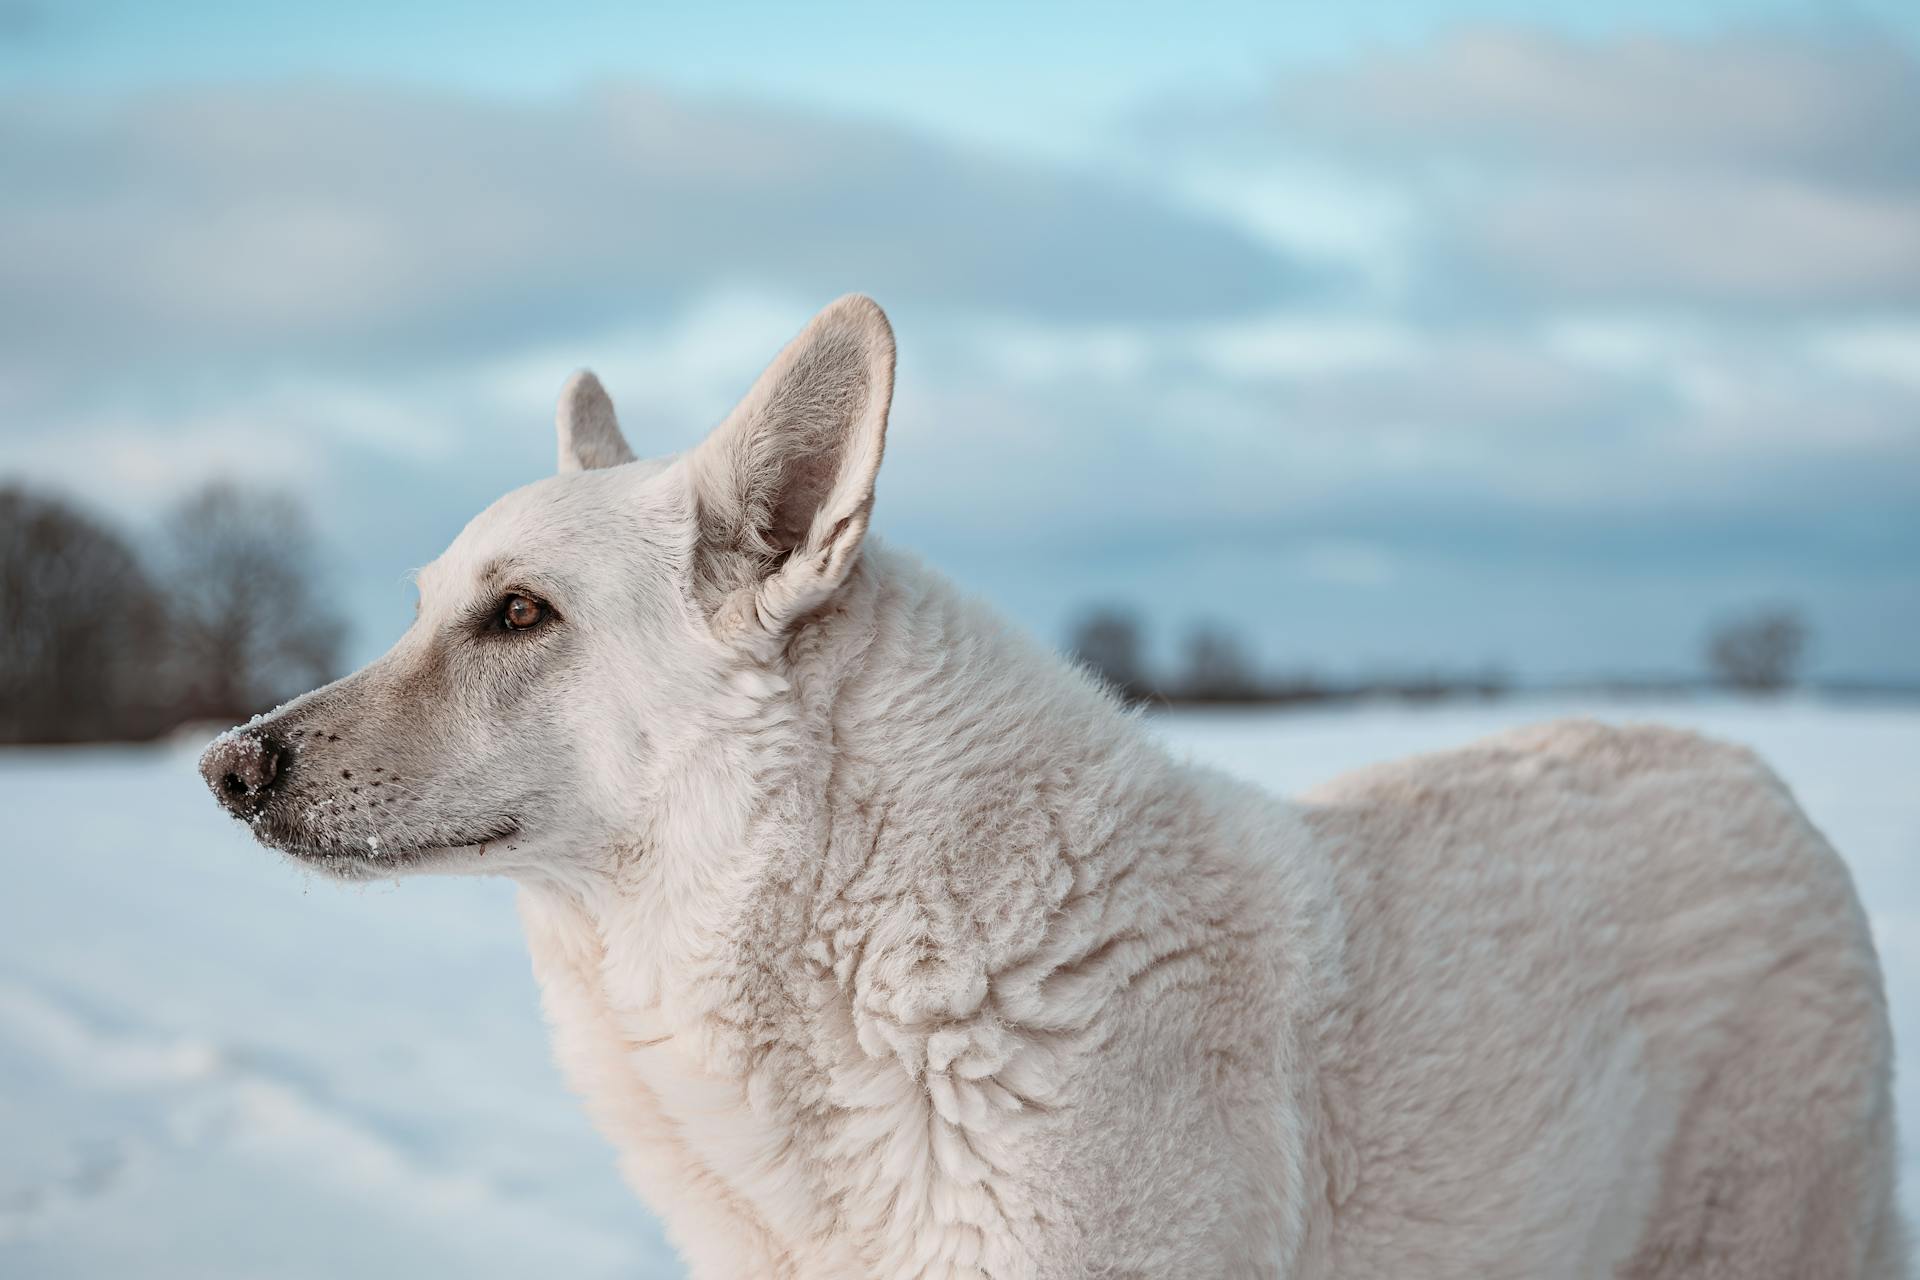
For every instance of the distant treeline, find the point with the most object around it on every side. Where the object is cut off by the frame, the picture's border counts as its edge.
(217, 615)
(1757, 652)
(214, 617)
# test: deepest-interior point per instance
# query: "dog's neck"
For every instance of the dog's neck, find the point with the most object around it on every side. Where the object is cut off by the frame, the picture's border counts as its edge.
(919, 866)
(901, 690)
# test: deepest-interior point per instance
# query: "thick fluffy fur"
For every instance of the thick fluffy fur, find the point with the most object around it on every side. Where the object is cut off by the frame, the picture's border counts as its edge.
(882, 943)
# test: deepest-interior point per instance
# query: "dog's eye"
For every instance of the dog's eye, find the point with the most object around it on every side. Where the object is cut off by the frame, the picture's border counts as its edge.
(518, 613)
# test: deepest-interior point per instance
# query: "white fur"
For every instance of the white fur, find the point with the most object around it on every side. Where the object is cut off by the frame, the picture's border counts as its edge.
(880, 942)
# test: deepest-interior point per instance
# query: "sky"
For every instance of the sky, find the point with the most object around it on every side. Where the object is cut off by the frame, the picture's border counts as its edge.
(1389, 336)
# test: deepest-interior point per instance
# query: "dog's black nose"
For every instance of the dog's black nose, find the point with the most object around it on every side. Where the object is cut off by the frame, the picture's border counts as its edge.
(241, 768)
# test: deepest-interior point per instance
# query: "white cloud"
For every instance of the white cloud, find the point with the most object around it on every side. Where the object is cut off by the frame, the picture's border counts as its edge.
(1731, 239)
(1620, 343)
(1323, 210)
(1342, 563)
(672, 374)
(372, 226)
(1032, 353)
(1502, 166)
(1307, 346)
(141, 463)
(1888, 350)
(1839, 100)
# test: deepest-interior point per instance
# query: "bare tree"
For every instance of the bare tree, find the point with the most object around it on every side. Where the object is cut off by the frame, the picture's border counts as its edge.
(81, 632)
(1217, 669)
(249, 626)
(1759, 652)
(1107, 642)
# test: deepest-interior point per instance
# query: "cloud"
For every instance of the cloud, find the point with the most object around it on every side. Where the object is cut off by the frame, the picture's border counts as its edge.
(1047, 465)
(1318, 420)
(1356, 564)
(1556, 360)
(1749, 241)
(368, 225)
(1840, 102)
(1776, 169)
(1885, 350)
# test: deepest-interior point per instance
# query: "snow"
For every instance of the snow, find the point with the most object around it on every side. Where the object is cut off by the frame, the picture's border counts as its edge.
(213, 1066)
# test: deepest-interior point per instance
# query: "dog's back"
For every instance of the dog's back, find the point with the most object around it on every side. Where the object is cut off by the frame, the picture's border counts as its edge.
(1613, 1000)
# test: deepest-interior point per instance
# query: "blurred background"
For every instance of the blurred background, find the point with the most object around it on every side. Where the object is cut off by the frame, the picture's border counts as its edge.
(1337, 380)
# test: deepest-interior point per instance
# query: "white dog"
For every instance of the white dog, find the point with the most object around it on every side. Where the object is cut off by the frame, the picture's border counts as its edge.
(882, 943)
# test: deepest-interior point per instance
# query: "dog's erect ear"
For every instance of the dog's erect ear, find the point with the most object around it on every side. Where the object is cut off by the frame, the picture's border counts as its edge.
(589, 433)
(785, 484)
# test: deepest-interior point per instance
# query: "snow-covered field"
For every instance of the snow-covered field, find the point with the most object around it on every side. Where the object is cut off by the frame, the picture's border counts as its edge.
(211, 1066)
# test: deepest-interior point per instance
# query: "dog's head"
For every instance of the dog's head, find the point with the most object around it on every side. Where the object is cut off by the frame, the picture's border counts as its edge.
(580, 630)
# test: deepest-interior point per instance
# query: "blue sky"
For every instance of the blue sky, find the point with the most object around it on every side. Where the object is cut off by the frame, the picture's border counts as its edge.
(1050, 76)
(1388, 335)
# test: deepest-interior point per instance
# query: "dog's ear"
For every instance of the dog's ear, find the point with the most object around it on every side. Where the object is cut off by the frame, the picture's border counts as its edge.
(785, 484)
(589, 433)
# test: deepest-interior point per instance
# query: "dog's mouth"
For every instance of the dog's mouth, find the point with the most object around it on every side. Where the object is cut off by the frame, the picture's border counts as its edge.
(375, 855)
